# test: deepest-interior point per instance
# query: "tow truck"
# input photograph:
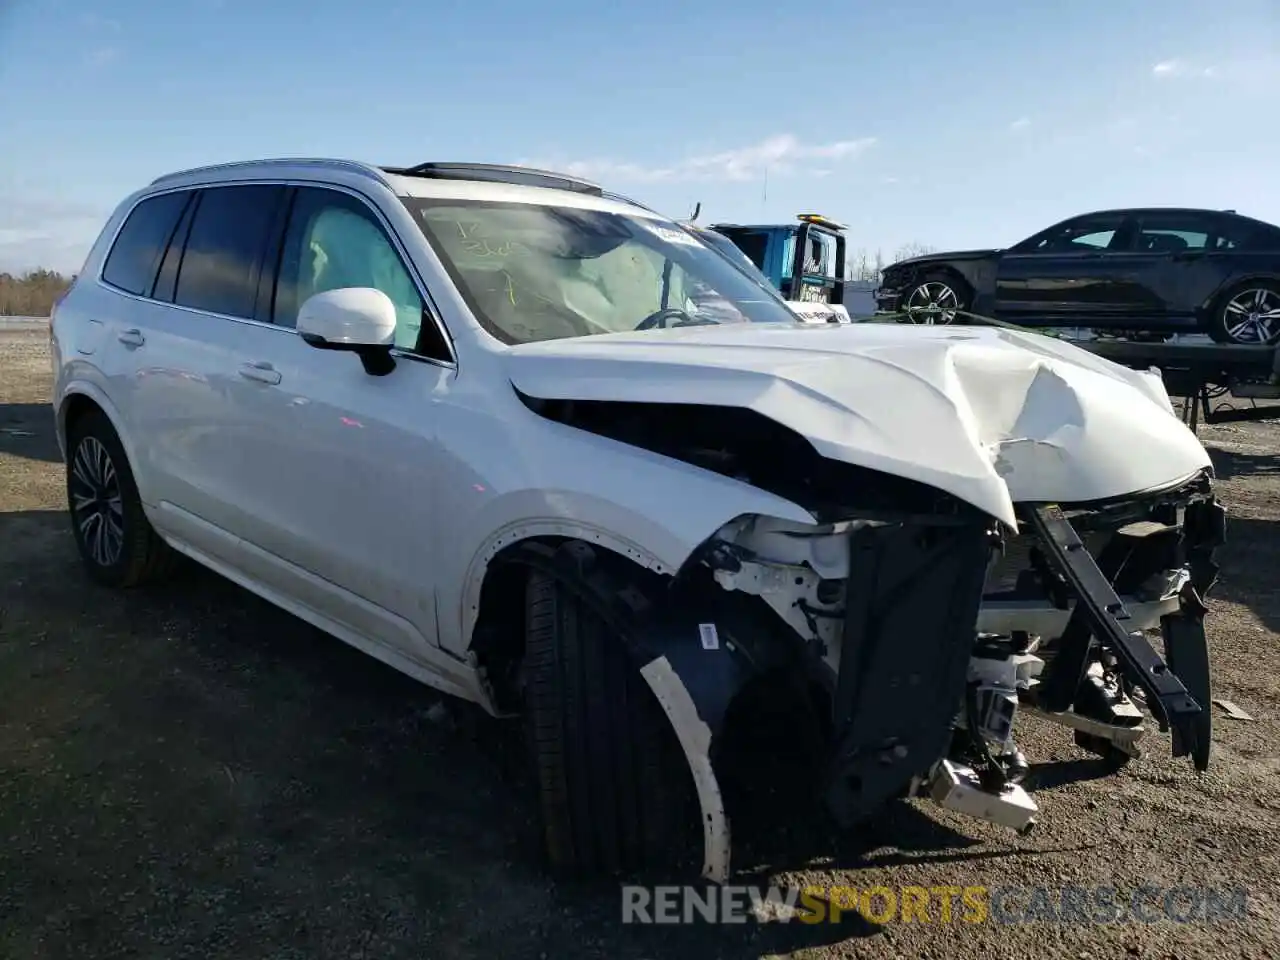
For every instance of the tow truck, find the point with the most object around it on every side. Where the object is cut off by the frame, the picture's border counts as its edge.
(805, 261)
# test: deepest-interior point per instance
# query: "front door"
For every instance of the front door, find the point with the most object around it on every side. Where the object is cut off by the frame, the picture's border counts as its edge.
(1074, 272)
(344, 472)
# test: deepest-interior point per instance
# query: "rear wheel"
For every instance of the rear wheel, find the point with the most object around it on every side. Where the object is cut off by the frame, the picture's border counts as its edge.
(117, 544)
(615, 791)
(938, 298)
(1248, 314)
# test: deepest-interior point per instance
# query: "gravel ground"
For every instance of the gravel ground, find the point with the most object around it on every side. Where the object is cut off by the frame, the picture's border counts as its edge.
(194, 773)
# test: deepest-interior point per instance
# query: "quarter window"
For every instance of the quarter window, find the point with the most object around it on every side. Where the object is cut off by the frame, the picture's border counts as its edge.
(223, 258)
(134, 258)
(333, 241)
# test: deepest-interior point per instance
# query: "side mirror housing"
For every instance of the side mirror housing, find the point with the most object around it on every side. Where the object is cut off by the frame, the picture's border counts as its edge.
(358, 319)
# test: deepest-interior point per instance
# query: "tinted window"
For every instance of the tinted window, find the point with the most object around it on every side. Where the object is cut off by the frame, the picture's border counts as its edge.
(1082, 235)
(131, 265)
(334, 241)
(1174, 232)
(224, 252)
(1241, 233)
(167, 278)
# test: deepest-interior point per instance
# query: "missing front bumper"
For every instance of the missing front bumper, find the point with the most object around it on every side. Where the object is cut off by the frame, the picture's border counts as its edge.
(911, 602)
(1178, 701)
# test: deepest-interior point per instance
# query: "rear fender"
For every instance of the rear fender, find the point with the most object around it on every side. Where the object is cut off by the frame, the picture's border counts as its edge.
(91, 391)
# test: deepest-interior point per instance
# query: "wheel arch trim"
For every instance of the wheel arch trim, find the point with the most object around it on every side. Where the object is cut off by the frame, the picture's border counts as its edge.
(1232, 283)
(82, 389)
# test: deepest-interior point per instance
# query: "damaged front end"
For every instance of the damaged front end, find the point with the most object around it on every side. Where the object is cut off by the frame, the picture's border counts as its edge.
(930, 630)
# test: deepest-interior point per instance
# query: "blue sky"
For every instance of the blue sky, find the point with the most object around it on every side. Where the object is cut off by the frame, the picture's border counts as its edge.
(952, 124)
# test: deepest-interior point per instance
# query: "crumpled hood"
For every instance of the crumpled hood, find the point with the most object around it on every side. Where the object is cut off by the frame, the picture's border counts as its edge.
(991, 415)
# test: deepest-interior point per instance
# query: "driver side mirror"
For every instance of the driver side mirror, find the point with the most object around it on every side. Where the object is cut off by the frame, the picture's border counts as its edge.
(361, 320)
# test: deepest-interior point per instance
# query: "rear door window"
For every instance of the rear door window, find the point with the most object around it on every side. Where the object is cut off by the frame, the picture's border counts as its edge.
(135, 256)
(1175, 232)
(223, 259)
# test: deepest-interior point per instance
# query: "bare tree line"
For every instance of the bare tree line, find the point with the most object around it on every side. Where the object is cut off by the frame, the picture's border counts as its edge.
(31, 294)
(864, 264)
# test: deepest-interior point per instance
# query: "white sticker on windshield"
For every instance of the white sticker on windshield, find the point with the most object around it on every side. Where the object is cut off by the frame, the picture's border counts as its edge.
(670, 234)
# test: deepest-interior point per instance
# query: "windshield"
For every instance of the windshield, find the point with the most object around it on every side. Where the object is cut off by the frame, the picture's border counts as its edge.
(532, 272)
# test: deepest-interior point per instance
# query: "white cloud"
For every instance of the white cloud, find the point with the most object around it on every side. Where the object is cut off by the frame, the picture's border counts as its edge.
(1180, 68)
(38, 231)
(1020, 124)
(779, 155)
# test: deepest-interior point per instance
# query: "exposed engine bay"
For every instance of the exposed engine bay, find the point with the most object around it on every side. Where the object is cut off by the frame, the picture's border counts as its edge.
(930, 625)
(1061, 611)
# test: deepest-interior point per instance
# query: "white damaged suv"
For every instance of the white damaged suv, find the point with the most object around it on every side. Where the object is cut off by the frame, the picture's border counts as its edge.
(545, 449)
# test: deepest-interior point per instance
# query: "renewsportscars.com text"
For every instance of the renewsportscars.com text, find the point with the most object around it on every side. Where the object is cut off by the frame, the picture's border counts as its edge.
(937, 905)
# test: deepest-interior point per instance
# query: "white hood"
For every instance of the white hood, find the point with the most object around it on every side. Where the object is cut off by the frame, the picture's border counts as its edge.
(990, 415)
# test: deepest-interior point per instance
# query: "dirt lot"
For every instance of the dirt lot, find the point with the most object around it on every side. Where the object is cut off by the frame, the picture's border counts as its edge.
(193, 773)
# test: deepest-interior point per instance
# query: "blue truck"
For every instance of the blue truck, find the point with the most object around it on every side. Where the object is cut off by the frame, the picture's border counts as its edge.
(804, 260)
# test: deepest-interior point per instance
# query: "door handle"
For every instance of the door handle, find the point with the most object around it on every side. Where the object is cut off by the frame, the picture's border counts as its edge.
(260, 371)
(131, 338)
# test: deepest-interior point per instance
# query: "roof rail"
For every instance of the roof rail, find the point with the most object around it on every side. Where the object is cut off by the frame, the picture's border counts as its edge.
(619, 198)
(353, 166)
(497, 173)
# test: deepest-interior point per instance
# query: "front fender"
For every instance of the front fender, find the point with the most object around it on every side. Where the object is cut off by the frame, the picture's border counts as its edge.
(659, 532)
(514, 476)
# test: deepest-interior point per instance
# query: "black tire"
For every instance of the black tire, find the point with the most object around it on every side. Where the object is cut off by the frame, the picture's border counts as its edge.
(960, 298)
(615, 791)
(140, 556)
(1224, 315)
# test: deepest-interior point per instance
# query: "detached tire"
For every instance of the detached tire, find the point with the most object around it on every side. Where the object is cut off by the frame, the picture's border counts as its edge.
(117, 544)
(615, 790)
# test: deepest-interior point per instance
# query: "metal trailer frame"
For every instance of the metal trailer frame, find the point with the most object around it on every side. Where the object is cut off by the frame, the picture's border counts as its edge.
(1200, 372)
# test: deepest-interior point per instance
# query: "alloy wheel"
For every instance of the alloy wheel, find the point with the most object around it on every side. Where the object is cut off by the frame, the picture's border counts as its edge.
(1253, 316)
(96, 505)
(932, 302)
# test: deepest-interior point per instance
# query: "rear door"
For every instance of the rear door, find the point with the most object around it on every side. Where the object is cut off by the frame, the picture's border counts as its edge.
(185, 409)
(1073, 271)
(125, 334)
(1183, 257)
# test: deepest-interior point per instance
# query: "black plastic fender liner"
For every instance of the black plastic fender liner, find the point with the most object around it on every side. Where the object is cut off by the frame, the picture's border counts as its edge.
(696, 647)
(1186, 650)
(715, 639)
(1204, 530)
(912, 602)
